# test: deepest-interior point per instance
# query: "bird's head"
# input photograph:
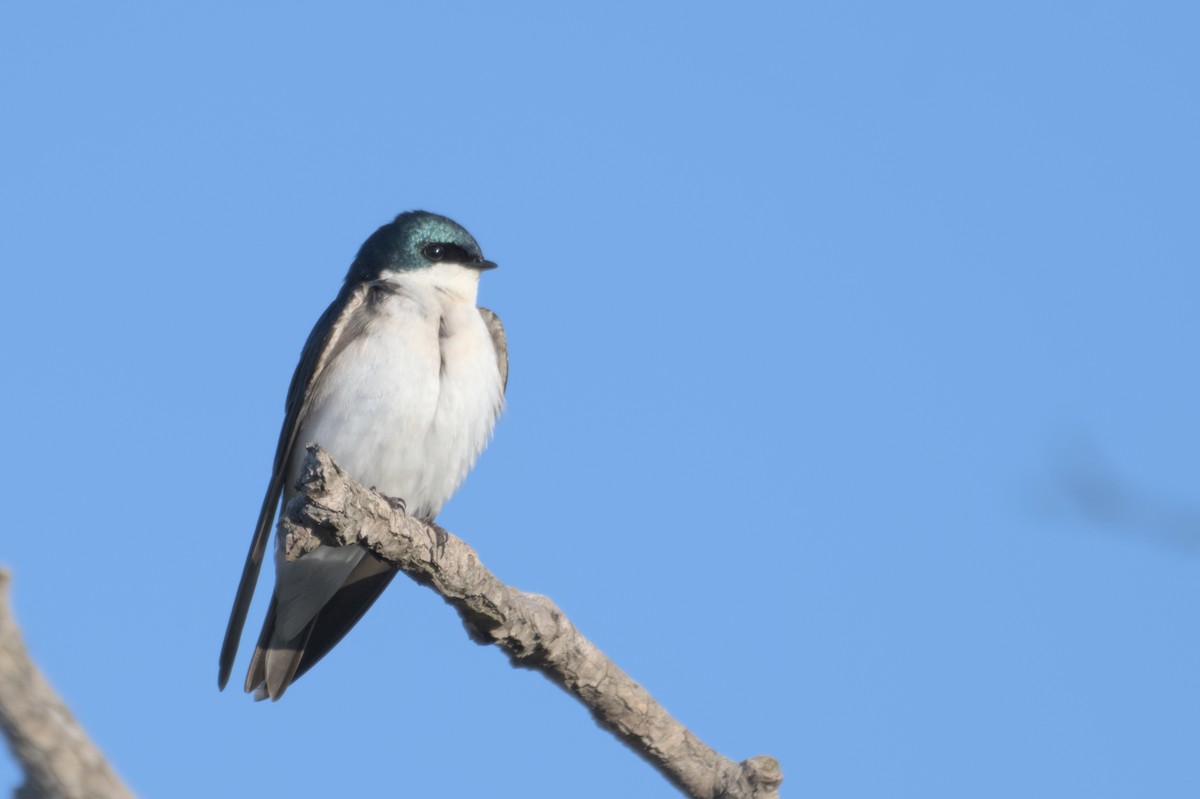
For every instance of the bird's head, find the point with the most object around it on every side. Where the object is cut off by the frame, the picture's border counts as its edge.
(415, 241)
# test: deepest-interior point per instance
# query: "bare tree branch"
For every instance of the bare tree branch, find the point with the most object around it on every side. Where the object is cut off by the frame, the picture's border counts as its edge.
(58, 759)
(334, 510)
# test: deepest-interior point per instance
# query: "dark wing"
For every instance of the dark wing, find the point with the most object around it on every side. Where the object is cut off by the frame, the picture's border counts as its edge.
(327, 339)
(499, 340)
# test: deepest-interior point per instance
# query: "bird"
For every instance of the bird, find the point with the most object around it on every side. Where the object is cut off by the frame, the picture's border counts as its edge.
(401, 380)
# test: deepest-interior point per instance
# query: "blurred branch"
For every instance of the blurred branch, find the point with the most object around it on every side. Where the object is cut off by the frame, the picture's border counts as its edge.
(333, 510)
(58, 759)
(1104, 497)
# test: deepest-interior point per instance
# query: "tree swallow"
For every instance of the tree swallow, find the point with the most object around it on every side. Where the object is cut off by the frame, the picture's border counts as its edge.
(401, 382)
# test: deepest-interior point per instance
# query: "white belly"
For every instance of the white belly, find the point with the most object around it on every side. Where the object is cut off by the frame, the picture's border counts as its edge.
(405, 408)
(408, 406)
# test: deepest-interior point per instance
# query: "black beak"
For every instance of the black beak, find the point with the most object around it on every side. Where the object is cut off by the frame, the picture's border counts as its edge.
(482, 265)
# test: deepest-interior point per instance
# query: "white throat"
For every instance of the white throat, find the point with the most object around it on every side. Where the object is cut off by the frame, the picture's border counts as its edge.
(458, 281)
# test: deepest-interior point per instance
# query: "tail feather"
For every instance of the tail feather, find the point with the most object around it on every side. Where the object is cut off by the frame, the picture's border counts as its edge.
(277, 663)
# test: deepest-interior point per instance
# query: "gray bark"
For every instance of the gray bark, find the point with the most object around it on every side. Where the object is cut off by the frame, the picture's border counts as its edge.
(333, 510)
(58, 759)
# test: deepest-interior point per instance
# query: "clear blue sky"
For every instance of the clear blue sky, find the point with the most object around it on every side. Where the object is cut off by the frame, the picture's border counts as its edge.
(854, 406)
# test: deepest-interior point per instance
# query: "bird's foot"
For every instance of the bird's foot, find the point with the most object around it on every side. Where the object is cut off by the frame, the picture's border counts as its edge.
(397, 503)
(440, 537)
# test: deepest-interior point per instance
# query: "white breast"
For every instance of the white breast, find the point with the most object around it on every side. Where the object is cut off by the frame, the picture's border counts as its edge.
(408, 406)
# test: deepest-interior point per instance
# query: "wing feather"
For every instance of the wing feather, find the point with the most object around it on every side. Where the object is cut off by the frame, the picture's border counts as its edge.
(327, 339)
(499, 341)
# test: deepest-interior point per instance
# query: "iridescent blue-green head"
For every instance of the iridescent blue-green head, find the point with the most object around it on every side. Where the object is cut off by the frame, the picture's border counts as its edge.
(416, 240)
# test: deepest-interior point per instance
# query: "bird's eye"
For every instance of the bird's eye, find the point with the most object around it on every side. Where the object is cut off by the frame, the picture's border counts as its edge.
(435, 252)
